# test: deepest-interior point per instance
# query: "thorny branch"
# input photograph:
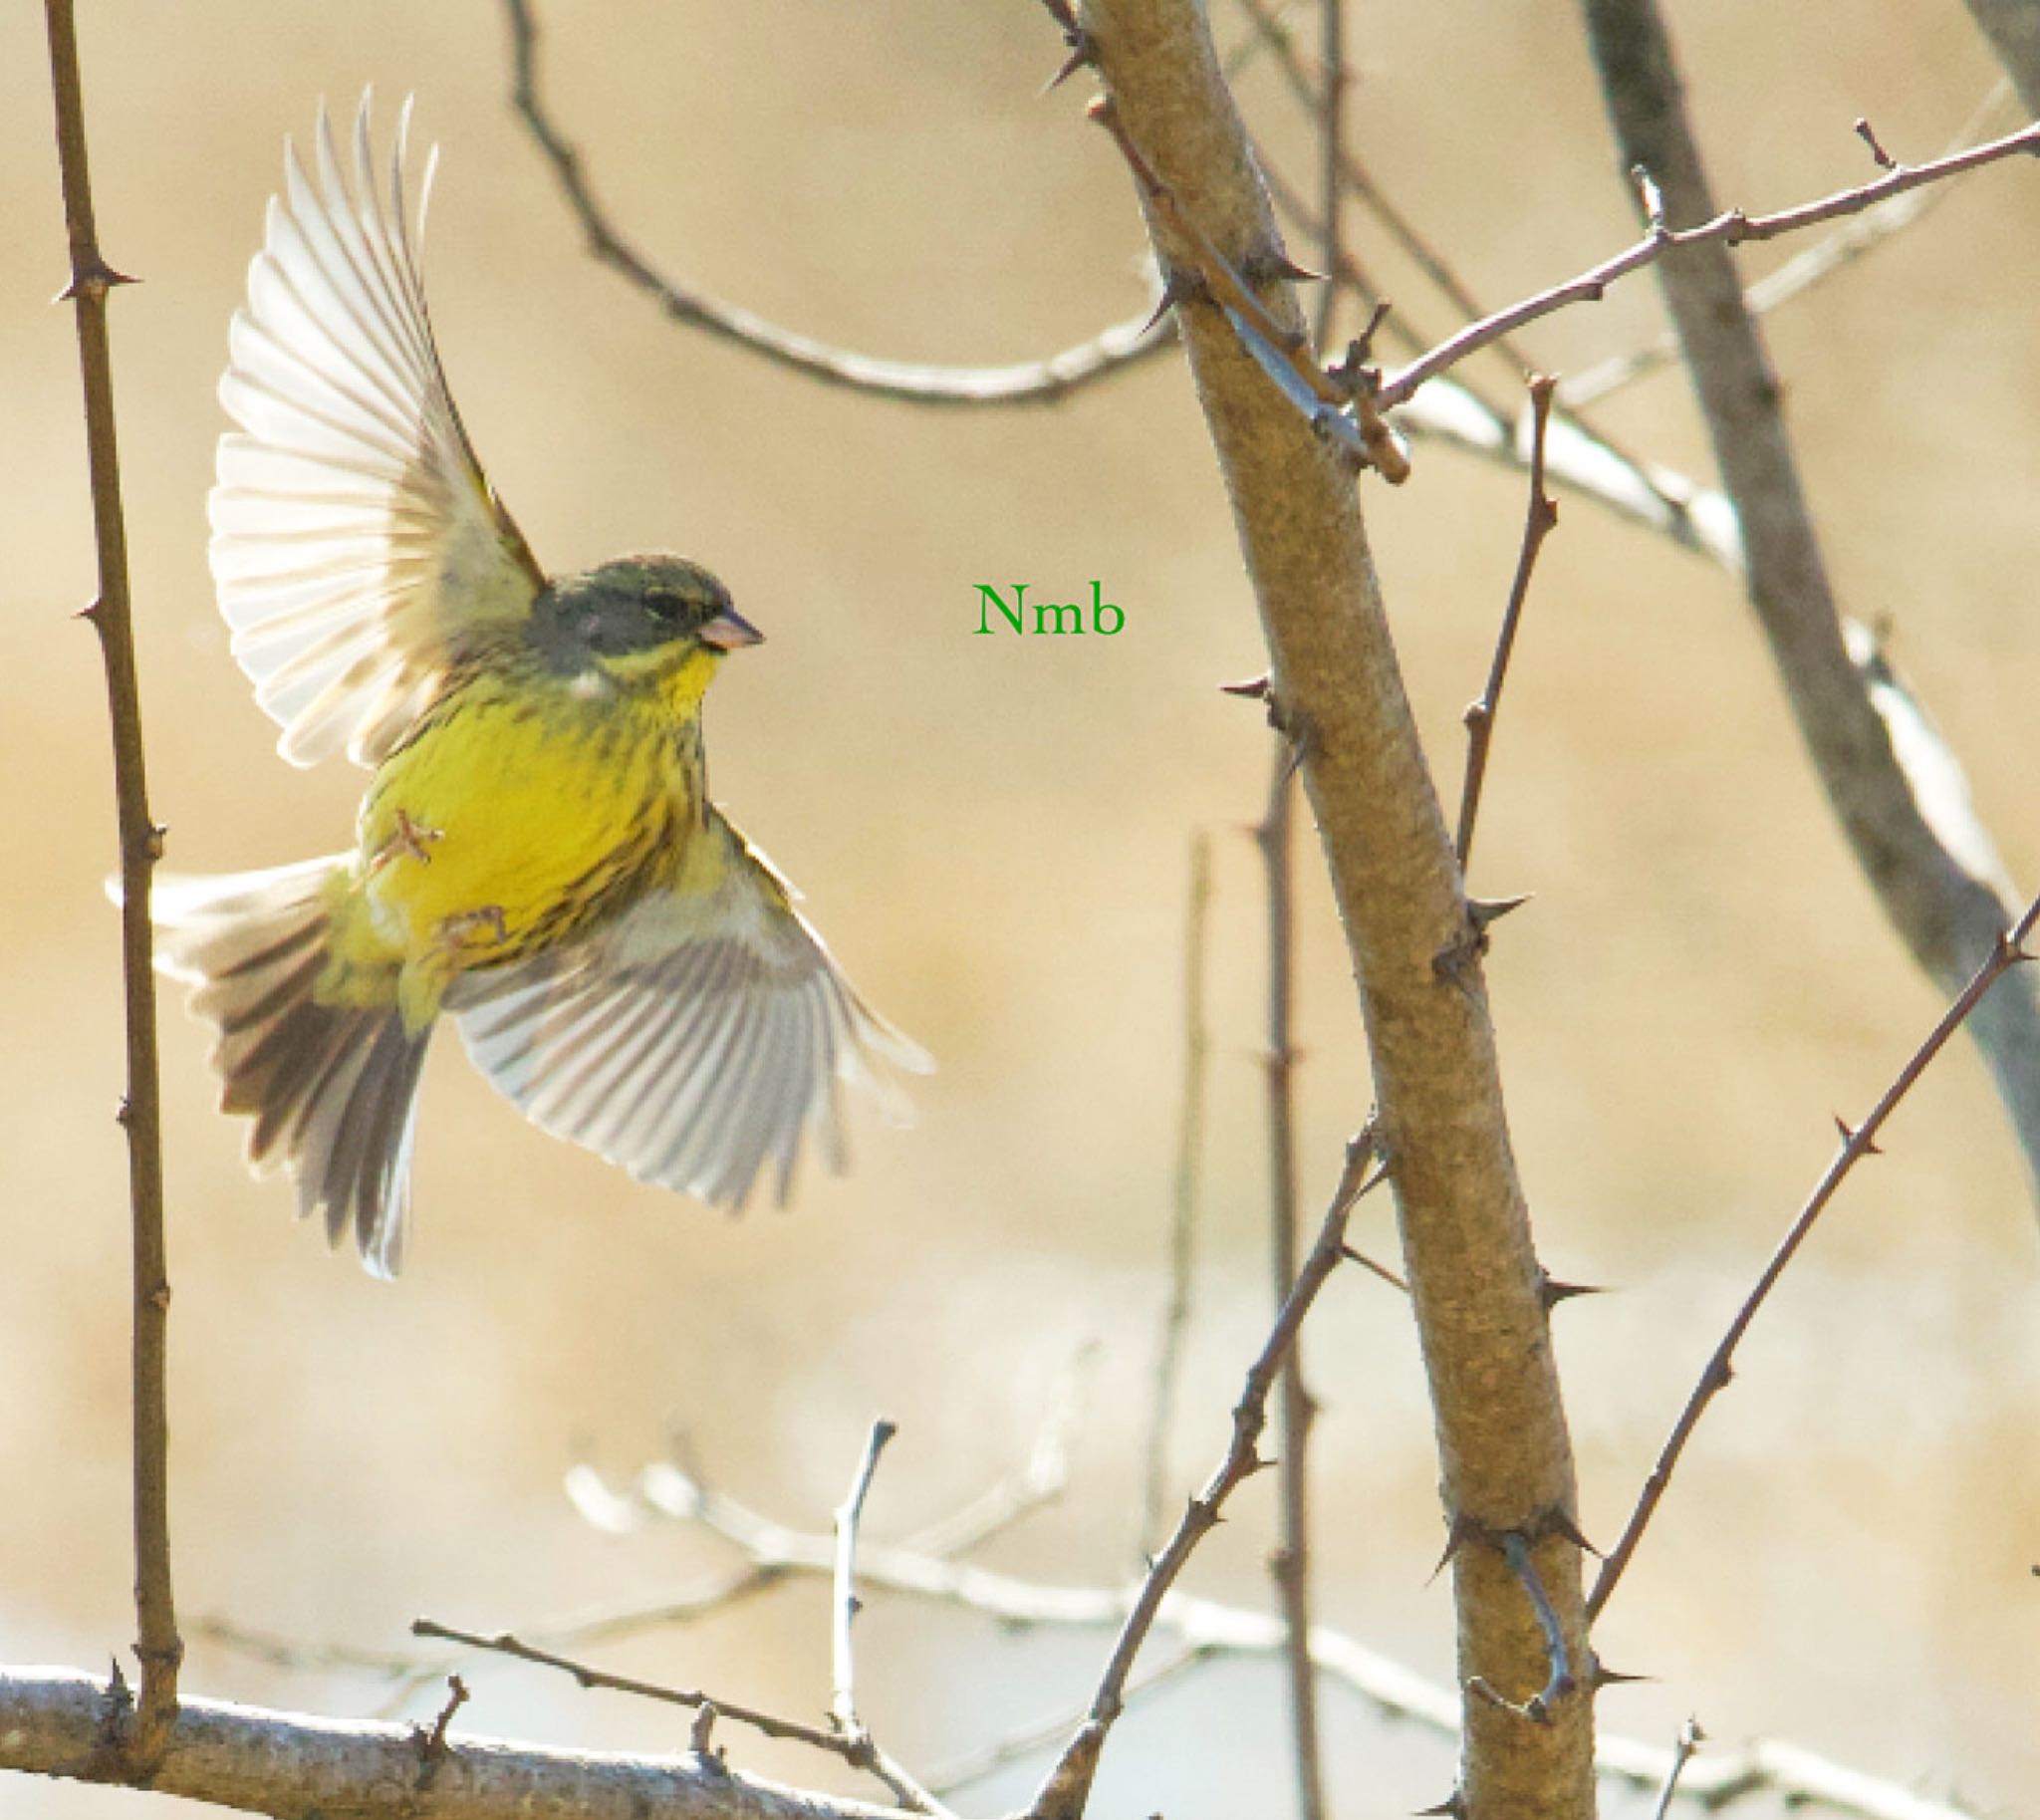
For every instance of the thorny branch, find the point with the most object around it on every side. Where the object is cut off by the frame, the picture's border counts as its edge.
(1291, 1562)
(1730, 228)
(1207, 1629)
(157, 1645)
(1063, 1794)
(1858, 1142)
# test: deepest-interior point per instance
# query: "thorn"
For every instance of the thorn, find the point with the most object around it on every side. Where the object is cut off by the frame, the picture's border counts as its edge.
(1254, 688)
(98, 276)
(1868, 135)
(1484, 911)
(116, 1683)
(1605, 1676)
(1560, 1523)
(1450, 1808)
(124, 1116)
(1080, 54)
(1553, 1291)
(90, 612)
(1463, 1529)
(1264, 267)
(1174, 288)
(1849, 1132)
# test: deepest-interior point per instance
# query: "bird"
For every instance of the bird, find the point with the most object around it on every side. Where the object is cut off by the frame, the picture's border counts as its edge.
(535, 855)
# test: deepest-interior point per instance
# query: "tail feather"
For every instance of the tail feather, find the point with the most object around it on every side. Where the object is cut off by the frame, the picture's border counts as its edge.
(331, 1087)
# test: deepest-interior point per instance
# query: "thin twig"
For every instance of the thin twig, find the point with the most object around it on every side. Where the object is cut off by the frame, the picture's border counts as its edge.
(859, 1747)
(1857, 1143)
(1291, 1562)
(1044, 381)
(157, 1645)
(585, 1676)
(1690, 1739)
(1019, 1745)
(1559, 1679)
(1063, 1794)
(1330, 123)
(1187, 1198)
(1798, 275)
(1731, 228)
(1538, 521)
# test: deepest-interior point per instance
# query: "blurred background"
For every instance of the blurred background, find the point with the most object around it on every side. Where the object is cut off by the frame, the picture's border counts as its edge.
(994, 834)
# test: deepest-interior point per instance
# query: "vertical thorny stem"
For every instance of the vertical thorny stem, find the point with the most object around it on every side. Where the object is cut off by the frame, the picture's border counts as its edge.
(1292, 1560)
(1505, 1457)
(157, 1645)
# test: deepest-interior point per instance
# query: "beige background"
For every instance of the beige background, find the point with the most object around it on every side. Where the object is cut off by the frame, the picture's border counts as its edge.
(993, 834)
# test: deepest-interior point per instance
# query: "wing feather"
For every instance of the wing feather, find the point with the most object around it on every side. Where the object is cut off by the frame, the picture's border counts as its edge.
(358, 548)
(702, 1038)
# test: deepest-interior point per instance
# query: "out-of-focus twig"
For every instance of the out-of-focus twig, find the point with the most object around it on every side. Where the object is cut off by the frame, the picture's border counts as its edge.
(1331, 123)
(157, 1645)
(1538, 522)
(1291, 1562)
(1206, 1627)
(2013, 28)
(1186, 1200)
(1017, 1746)
(1043, 380)
(1858, 1142)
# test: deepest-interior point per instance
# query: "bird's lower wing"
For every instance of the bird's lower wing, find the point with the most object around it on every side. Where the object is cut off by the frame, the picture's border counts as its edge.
(695, 1039)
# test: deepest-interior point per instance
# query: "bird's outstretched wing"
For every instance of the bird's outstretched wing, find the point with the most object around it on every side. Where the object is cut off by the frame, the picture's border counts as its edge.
(696, 1038)
(356, 543)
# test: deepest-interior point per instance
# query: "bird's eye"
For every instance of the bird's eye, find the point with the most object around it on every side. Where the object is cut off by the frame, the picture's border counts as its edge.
(665, 604)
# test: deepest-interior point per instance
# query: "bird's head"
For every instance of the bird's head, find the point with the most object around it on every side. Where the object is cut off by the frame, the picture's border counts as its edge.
(638, 617)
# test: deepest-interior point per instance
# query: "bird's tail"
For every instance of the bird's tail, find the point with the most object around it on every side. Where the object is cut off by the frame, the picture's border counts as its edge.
(331, 1087)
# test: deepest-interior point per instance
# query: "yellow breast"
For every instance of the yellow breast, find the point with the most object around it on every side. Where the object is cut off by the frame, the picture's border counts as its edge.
(524, 808)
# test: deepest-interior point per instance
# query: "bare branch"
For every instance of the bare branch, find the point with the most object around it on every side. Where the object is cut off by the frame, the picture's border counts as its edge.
(157, 1645)
(1856, 1143)
(1690, 1738)
(1331, 125)
(1068, 1786)
(858, 1745)
(55, 1722)
(585, 1674)
(1766, 1766)
(1291, 1562)
(1538, 522)
(1728, 230)
(1040, 382)
(1187, 1198)
(1833, 253)
(1947, 915)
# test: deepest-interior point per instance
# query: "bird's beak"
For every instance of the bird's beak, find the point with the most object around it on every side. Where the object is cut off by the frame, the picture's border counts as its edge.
(730, 631)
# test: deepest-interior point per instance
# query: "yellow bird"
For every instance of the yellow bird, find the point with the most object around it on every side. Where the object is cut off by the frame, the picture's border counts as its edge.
(536, 855)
